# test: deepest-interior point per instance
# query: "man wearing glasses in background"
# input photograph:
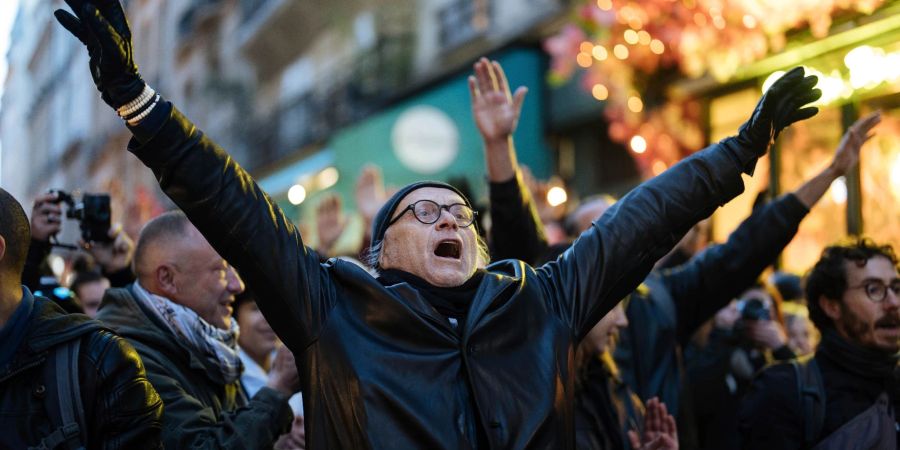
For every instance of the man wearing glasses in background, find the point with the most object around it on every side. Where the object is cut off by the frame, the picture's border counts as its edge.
(847, 396)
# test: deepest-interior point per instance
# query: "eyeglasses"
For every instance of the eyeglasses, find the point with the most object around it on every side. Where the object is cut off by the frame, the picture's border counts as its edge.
(877, 291)
(428, 212)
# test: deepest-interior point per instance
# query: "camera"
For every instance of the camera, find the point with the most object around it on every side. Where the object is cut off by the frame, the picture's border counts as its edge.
(754, 309)
(91, 211)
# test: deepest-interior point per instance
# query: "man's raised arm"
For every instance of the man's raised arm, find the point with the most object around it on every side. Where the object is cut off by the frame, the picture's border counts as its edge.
(221, 199)
(705, 284)
(612, 257)
(516, 229)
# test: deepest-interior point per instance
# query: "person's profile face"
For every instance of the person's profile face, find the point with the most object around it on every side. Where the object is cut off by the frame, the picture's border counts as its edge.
(603, 335)
(442, 253)
(256, 337)
(205, 282)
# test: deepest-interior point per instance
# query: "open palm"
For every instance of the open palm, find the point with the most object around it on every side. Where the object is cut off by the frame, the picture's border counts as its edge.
(496, 112)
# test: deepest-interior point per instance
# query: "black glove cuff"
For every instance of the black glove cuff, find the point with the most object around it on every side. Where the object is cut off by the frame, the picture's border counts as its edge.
(120, 92)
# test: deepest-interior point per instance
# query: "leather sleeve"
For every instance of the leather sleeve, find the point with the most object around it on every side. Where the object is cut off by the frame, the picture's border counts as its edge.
(122, 407)
(188, 423)
(516, 229)
(769, 414)
(612, 257)
(711, 279)
(243, 224)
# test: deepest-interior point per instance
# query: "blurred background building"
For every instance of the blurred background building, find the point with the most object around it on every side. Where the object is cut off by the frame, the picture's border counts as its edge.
(304, 93)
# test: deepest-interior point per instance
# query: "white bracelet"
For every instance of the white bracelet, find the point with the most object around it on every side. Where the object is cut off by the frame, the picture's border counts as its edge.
(136, 104)
(138, 118)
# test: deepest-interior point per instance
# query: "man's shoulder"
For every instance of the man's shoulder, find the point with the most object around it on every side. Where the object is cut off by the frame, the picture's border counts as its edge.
(50, 326)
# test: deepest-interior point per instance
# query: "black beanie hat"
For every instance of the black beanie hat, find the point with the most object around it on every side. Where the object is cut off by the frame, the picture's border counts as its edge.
(380, 223)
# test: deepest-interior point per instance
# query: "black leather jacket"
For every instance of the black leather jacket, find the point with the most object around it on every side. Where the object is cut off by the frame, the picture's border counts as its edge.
(380, 368)
(121, 408)
(672, 303)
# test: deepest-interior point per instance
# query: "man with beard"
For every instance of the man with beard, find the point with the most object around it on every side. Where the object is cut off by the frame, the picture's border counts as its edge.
(854, 298)
(442, 350)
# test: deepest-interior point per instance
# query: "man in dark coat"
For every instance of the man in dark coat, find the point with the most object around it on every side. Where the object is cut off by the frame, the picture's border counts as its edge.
(442, 350)
(178, 317)
(119, 409)
(853, 293)
(607, 414)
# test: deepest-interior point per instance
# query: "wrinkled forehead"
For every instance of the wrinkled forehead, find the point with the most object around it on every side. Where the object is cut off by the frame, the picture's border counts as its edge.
(877, 267)
(438, 195)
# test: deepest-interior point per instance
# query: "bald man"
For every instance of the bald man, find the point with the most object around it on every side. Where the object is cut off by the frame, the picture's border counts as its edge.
(178, 317)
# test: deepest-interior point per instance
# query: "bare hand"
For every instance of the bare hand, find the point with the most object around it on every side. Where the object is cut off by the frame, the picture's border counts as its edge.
(294, 439)
(496, 111)
(847, 154)
(727, 316)
(115, 255)
(330, 222)
(283, 376)
(46, 217)
(369, 194)
(767, 333)
(660, 432)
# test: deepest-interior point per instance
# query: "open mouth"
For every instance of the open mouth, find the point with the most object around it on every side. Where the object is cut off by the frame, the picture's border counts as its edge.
(889, 323)
(448, 249)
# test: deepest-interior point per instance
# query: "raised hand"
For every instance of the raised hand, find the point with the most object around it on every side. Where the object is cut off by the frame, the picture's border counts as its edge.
(369, 194)
(847, 154)
(660, 432)
(46, 217)
(781, 105)
(330, 222)
(102, 27)
(495, 110)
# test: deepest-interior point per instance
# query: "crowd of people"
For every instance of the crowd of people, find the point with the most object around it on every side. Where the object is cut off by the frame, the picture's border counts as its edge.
(612, 327)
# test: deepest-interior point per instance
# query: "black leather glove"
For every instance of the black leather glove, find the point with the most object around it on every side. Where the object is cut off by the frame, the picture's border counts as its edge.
(101, 26)
(780, 106)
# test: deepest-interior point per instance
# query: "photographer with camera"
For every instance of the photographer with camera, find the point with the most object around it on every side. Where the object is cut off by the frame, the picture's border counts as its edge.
(747, 335)
(108, 246)
(66, 381)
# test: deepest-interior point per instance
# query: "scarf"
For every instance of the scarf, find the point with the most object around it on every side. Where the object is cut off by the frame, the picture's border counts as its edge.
(862, 361)
(216, 346)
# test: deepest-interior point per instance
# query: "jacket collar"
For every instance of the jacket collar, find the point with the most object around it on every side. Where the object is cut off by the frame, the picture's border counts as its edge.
(50, 325)
(492, 285)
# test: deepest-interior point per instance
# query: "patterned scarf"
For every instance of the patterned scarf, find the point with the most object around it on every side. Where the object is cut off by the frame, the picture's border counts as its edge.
(218, 347)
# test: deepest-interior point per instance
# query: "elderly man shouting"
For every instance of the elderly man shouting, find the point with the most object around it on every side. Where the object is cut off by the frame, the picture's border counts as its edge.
(442, 350)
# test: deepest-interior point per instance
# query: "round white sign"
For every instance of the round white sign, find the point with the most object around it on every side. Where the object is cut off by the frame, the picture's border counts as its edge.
(425, 139)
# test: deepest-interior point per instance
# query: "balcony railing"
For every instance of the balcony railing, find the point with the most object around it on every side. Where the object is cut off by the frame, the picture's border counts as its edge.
(377, 74)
